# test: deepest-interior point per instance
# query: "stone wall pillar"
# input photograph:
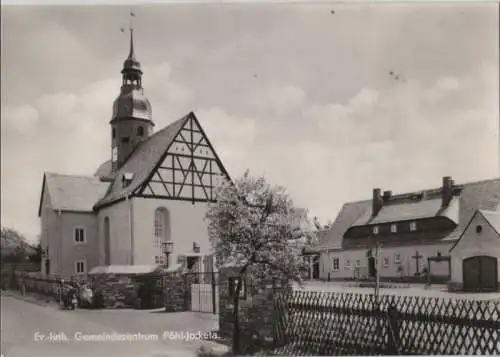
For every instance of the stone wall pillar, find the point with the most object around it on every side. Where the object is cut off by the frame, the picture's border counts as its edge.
(175, 292)
(257, 312)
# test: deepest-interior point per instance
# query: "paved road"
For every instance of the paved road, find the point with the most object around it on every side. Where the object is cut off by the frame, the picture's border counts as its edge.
(30, 329)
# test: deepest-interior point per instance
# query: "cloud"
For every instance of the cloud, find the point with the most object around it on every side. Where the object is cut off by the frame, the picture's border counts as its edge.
(301, 96)
(65, 132)
(22, 118)
(399, 138)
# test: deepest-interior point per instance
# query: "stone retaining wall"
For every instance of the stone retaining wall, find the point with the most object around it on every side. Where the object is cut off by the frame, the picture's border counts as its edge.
(115, 290)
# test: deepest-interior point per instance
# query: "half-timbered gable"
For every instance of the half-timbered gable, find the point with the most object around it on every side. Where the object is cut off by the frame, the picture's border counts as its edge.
(190, 168)
(176, 163)
(153, 190)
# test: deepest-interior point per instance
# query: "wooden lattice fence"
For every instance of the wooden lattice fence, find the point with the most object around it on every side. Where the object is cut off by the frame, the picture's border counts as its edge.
(314, 323)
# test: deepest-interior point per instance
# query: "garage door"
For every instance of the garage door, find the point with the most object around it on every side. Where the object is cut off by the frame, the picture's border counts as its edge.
(480, 273)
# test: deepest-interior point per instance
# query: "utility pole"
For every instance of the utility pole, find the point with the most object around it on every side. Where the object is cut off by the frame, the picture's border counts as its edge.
(377, 271)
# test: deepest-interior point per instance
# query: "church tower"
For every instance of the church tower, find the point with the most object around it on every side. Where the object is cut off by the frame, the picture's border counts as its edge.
(132, 121)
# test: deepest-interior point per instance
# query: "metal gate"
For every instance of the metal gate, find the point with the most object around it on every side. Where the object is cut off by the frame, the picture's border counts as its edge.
(480, 273)
(203, 292)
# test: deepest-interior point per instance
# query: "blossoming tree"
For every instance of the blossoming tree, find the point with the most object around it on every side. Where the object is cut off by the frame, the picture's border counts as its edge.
(252, 226)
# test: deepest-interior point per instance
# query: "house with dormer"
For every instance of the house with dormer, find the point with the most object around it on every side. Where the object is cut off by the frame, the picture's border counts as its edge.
(154, 189)
(405, 231)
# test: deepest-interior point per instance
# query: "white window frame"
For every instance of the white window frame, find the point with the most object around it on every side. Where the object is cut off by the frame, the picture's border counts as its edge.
(159, 259)
(336, 260)
(394, 228)
(84, 234)
(375, 230)
(398, 260)
(413, 226)
(84, 262)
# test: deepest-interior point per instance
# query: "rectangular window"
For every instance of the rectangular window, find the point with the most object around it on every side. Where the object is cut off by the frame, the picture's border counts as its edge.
(394, 228)
(159, 259)
(413, 226)
(358, 263)
(79, 235)
(375, 230)
(397, 258)
(386, 262)
(336, 264)
(80, 267)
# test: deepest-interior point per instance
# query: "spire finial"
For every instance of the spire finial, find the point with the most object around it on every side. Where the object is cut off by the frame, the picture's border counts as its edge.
(131, 28)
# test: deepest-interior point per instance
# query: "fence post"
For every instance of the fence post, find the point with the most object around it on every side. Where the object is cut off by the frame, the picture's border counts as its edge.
(214, 302)
(393, 345)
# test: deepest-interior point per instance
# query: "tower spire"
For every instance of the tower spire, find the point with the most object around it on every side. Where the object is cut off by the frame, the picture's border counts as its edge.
(131, 67)
(131, 54)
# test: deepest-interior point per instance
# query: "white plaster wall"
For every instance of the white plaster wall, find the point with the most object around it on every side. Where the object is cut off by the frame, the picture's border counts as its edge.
(187, 226)
(119, 224)
(407, 262)
(72, 251)
(50, 237)
(472, 244)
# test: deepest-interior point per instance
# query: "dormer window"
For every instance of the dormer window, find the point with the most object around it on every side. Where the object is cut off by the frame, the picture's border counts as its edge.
(413, 226)
(127, 179)
(394, 228)
(375, 230)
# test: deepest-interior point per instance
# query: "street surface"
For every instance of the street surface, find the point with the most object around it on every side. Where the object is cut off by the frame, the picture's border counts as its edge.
(39, 329)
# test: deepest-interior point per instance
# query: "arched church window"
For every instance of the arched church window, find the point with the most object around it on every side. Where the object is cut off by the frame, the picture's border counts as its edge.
(140, 131)
(161, 226)
(107, 242)
(113, 133)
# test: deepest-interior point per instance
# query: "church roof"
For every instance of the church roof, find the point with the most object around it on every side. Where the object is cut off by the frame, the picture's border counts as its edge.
(104, 170)
(484, 195)
(143, 160)
(71, 192)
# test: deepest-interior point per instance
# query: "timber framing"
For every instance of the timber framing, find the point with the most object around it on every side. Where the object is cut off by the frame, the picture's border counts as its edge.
(188, 170)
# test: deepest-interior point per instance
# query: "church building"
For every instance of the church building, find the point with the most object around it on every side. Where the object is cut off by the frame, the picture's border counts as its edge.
(409, 232)
(154, 189)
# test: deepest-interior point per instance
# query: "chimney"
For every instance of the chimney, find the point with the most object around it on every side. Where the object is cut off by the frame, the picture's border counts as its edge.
(387, 195)
(377, 202)
(446, 191)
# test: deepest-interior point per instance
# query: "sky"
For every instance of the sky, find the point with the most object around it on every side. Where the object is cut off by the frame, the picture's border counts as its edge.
(327, 100)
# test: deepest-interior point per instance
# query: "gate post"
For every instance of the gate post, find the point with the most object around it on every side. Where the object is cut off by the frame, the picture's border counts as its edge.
(214, 304)
(393, 330)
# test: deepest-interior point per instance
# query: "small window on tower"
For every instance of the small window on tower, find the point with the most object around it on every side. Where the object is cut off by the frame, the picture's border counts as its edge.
(113, 133)
(125, 139)
(140, 131)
